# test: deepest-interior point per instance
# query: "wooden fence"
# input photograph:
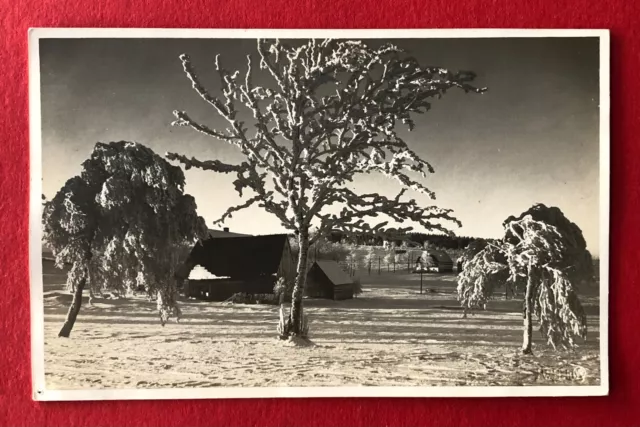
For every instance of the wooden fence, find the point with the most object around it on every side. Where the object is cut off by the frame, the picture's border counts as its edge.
(378, 266)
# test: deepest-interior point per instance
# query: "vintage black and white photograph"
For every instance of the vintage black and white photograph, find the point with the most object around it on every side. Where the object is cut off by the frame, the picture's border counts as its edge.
(264, 213)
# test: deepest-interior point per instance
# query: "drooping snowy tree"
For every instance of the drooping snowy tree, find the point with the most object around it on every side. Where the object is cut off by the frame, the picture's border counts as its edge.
(579, 262)
(546, 252)
(484, 269)
(330, 113)
(123, 222)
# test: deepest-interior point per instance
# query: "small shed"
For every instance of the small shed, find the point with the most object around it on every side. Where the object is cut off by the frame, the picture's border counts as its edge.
(326, 279)
(238, 264)
(436, 260)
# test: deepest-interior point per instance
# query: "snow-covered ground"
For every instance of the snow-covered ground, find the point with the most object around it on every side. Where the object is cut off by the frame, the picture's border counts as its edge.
(390, 335)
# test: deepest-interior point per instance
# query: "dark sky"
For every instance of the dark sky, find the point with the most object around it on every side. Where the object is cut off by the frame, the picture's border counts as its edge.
(533, 137)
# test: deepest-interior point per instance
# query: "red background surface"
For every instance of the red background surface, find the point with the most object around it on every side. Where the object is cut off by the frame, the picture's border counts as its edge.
(622, 407)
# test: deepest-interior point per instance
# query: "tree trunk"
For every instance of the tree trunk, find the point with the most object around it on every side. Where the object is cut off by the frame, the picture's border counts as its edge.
(74, 309)
(295, 316)
(167, 305)
(528, 311)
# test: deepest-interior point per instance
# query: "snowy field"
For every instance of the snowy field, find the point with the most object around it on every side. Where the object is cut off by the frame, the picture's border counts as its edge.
(389, 336)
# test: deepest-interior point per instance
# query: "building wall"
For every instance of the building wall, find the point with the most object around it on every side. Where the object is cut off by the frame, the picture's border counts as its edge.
(223, 289)
(318, 286)
(342, 292)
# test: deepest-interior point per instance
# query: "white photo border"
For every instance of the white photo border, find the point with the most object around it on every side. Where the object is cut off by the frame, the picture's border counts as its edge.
(39, 391)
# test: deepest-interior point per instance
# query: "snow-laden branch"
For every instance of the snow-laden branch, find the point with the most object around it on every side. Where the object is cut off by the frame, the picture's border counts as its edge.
(485, 269)
(213, 165)
(183, 119)
(237, 134)
(330, 114)
(359, 209)
(247, 178)
(231, 210)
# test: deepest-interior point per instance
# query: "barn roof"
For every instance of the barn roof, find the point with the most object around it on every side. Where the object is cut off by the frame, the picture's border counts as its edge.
(333, 272)
(237, 257)
(440, 256)
(223, 233)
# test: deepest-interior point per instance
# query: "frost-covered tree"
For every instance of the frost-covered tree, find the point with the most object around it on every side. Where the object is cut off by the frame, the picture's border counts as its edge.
(546, 252)
(282, 289)
(390, 259)
(123, 222)
(495, 278)
(402, 260)
(370, 258)
(579, 262)
(330, 113)
(484, 269)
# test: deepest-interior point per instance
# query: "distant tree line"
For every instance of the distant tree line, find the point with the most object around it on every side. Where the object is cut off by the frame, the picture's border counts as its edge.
(441, 241)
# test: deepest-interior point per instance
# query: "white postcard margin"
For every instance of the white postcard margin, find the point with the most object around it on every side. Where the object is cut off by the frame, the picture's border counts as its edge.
(41, 393)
